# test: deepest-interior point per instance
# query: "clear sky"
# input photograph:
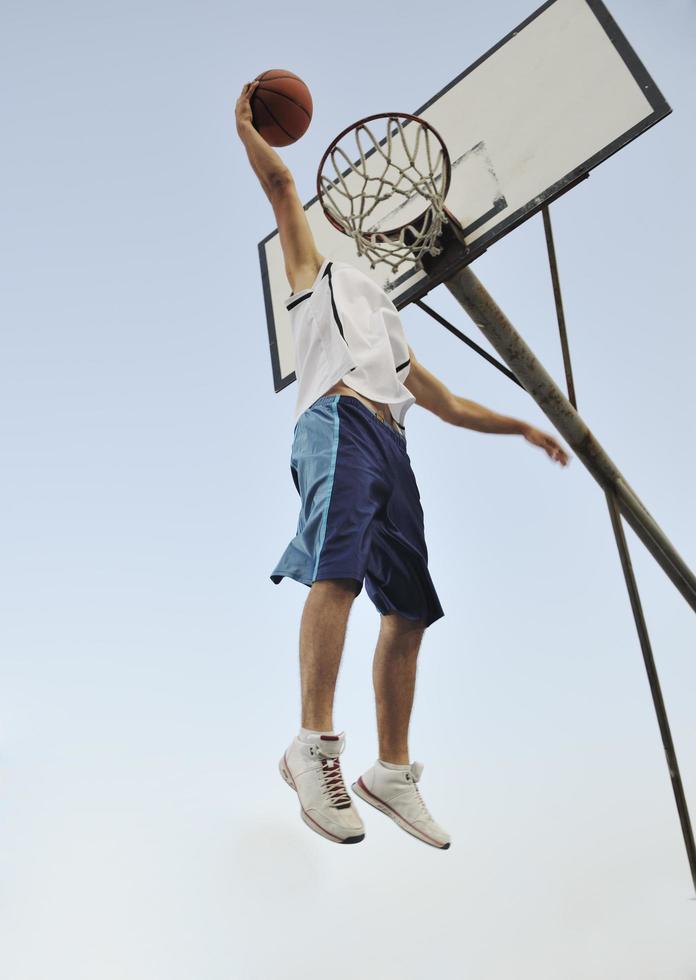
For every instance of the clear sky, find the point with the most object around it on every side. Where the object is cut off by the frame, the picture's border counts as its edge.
(148, 672)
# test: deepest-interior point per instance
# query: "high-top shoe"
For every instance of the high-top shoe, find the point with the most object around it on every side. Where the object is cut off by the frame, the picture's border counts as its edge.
(395, 792)
(313, 770)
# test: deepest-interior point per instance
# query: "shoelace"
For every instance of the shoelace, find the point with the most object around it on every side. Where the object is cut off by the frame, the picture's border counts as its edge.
(424, 808)
(416, 770)
(333, 782)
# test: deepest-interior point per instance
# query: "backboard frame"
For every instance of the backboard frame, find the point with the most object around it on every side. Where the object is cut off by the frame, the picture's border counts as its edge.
(462, 257)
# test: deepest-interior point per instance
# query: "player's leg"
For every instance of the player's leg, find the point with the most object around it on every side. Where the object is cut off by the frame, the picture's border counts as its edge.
(394, 680)
(311, 763)
(344, 477)
(399, 583)
(322, 637)
(328, 553)
(391, 784)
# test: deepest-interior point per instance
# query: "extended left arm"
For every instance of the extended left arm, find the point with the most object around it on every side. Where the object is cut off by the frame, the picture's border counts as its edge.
(436, 397)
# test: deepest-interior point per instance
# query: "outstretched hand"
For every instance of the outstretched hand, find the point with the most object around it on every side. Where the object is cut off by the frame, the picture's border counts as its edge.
(242, 109)
(547, 443)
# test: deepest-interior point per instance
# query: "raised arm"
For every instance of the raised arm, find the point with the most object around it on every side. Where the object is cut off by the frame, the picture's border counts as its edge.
(433, 395)
(302, 260)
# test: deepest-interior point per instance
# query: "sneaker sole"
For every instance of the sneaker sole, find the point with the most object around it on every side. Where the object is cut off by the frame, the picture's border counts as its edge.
(361, 790)
(312, 824)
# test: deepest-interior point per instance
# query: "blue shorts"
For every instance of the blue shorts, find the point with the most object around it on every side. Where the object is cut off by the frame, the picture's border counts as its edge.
(360, 514)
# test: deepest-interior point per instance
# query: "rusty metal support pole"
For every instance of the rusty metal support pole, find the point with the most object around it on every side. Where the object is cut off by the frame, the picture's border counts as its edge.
(499, 331)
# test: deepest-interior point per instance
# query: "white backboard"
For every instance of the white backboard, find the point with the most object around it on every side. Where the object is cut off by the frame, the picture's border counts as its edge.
(556, 97)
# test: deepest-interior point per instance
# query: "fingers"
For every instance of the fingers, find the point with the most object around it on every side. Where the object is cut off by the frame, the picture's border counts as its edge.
(248, 88)
(555, 451)
(550, 446)
(243, 109)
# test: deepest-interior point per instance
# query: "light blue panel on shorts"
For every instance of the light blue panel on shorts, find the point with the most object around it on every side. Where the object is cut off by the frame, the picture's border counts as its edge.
(313, 462)
(330, 481)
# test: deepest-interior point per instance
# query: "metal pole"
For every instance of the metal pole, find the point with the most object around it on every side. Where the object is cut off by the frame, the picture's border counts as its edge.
(499, 331)
(558, 297)
(467, 340)
(655, 689)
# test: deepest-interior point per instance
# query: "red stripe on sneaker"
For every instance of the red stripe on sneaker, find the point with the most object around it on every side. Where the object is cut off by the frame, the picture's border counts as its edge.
(334, 836)
(361, 784)
(331, 738)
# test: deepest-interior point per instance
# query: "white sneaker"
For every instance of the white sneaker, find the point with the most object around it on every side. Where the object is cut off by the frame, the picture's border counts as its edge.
(395, 792)
(313, 770)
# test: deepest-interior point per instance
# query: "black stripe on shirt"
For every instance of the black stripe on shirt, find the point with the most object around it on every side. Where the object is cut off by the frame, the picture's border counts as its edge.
(405, 364)
(296, 302)
(337, 318)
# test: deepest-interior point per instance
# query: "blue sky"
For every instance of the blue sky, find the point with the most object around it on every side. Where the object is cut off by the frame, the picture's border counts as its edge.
(148, 666)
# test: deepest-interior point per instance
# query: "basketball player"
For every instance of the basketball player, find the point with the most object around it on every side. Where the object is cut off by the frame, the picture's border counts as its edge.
(361, 517)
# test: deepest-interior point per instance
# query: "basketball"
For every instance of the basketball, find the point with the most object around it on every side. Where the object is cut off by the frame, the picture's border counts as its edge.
(281, 107)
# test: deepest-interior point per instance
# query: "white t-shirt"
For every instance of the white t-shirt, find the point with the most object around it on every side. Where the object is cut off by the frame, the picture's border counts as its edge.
(346, 328)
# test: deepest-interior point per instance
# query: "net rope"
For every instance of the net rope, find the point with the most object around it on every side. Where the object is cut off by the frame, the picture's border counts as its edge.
(376, 177)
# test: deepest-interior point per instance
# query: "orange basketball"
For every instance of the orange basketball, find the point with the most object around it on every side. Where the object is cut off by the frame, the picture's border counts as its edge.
(281, 107)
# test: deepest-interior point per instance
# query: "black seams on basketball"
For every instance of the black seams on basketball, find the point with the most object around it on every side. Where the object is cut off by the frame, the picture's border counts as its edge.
(281, 107)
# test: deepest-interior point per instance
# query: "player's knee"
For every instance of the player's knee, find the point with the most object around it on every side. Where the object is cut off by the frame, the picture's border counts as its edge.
(394, 622)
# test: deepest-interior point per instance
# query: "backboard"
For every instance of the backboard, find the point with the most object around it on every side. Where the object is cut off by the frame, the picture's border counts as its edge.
(556, 97)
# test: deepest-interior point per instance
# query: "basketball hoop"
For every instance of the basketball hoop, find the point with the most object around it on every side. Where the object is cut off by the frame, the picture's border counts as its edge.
(391, 200)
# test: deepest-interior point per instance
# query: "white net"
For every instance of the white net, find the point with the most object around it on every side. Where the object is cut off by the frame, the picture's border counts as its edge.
(391, 199)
